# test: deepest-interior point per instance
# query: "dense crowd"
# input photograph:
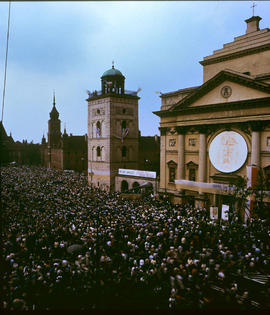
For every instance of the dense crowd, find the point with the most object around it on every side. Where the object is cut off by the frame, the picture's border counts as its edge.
(69, 246)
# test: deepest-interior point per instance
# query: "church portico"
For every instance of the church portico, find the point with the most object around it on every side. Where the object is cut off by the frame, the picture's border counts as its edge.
(223, 126)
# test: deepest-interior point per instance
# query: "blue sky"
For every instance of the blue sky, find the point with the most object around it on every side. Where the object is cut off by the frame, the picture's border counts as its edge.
(66, 47)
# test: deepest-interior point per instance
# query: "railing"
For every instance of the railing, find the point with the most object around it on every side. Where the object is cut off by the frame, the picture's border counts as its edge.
(98, 93)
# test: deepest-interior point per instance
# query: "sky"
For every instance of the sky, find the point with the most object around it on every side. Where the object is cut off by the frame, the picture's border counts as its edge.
(67, 46)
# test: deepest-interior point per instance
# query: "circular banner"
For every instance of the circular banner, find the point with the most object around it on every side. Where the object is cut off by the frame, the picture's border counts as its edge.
(228, 151)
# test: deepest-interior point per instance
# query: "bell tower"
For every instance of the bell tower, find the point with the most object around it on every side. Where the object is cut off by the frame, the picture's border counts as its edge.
(54, 124)
(112, 130)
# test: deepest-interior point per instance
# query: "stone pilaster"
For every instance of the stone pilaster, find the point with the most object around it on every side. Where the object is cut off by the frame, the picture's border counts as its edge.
(255, 148)
(181, 153)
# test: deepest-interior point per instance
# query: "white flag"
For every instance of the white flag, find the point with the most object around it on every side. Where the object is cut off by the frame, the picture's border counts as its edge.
(214, 213)
(225, 211)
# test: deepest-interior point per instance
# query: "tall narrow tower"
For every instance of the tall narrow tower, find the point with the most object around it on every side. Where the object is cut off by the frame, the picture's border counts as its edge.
(54, 132)
(112, 130)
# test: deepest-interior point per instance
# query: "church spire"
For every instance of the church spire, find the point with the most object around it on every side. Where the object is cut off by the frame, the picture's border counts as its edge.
(54, 113)
(53, 97)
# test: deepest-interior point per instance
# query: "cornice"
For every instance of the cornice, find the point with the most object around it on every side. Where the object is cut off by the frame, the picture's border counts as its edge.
(243, 104)
(246, 126)
(178, 92)
(235, 55)
(93, 98)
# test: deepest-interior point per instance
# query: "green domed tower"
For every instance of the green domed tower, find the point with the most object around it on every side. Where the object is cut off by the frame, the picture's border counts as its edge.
(112, 130)
(113, 81)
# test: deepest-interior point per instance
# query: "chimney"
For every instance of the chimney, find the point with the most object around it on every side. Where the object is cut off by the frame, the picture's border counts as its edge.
(253, 24)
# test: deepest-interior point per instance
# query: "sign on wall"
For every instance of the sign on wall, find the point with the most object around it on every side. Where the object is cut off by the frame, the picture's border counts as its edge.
(124, 171)
(228, 151)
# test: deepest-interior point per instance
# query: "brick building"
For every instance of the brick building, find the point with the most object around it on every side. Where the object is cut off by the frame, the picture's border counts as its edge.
(63, 151)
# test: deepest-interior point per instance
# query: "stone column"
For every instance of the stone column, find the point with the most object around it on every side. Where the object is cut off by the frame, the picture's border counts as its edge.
(162, 182)
(202, 166)
(202, 158)
(255, 148)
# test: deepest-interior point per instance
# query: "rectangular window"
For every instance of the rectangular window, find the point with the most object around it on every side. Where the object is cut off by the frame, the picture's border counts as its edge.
(171, 174)
(268, 141)
(192, 174)
(192, 142)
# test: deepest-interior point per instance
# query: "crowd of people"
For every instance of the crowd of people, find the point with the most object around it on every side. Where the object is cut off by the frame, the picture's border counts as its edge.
(69, 246)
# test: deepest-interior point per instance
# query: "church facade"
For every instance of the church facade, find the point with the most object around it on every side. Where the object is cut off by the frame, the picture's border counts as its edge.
(211, 134)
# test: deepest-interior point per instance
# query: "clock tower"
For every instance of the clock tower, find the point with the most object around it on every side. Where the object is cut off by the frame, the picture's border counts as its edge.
(113, 134)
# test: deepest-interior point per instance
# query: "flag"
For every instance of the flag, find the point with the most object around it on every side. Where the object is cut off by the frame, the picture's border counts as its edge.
(124, 134)
(225, 211)
(214, 213)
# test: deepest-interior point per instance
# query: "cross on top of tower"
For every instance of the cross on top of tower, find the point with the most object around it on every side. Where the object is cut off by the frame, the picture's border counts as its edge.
(113, 64)
(253, 6)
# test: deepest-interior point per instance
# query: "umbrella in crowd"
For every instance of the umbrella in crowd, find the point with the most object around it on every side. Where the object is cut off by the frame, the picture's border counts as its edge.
(69, 246)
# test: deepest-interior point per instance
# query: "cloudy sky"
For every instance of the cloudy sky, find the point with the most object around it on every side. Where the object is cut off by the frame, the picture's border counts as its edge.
(66, 47)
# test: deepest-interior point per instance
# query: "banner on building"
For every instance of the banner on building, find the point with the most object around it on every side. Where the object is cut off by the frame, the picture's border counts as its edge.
(252, 176)
(203, 187)
(124, 171)
(225, 212)
(213, 213)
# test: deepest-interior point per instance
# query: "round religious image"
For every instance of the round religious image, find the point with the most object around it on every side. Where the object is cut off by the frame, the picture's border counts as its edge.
(228, 151)
(226, 91)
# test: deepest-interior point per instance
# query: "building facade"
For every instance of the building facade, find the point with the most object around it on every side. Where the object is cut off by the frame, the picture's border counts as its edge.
(211, 133)
(22, 153)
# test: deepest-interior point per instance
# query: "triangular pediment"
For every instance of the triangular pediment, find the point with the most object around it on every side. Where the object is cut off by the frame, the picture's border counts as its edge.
(226, 87)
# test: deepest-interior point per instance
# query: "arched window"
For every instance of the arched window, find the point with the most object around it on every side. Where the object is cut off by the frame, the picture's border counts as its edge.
(98, 129)
(135, 186)
(124, 151)
(98, 152)
(124, 186)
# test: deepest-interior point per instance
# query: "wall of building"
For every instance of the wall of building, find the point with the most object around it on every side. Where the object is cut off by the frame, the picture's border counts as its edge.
(254, 63)
(110, 112)
(133, 179)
